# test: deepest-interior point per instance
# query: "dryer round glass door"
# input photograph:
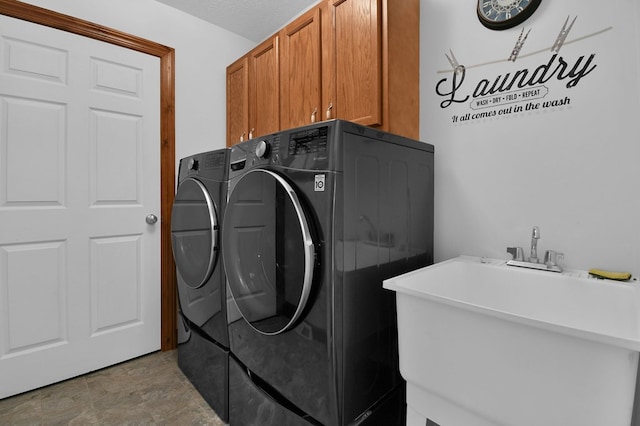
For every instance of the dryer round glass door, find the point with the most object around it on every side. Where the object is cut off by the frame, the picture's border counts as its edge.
(194, 233)
(268, 251)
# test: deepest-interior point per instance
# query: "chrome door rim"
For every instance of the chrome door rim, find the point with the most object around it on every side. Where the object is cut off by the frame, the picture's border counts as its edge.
(213, 221)
(309, 252)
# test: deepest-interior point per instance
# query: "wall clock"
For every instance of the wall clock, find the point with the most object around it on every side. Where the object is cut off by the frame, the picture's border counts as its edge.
(503, 14)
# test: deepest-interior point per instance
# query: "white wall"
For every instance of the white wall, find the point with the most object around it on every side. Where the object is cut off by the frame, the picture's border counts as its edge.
(573, 170)
(202, 50)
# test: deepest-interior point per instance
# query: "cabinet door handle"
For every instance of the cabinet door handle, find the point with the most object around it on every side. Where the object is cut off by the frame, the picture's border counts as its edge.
(242, 137)
(251, 133)
(328, 113)
(313, 115)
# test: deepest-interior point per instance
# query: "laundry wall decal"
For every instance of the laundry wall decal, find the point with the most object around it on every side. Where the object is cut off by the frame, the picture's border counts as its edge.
(528, 88)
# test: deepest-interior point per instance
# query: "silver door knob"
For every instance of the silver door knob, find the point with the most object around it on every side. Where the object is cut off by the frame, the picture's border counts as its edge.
(151, 219)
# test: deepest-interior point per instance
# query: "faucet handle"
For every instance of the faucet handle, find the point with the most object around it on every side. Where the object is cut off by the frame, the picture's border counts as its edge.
(516, 252)
(551, 257)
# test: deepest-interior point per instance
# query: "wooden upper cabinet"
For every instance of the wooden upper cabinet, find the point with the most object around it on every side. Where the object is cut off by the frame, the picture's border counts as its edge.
(401, 67)
(253, 93)
(237, 101)
(264, 88)
(357, 60)
(374, 63)
(301, 72)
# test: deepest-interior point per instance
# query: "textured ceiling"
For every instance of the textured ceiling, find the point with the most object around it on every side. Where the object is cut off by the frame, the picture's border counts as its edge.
(252, 19)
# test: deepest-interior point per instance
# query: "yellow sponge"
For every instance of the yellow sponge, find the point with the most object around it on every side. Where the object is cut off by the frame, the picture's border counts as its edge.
(618, 276)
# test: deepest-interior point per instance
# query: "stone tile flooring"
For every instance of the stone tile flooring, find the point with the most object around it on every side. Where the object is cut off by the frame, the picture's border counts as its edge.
(150, 390)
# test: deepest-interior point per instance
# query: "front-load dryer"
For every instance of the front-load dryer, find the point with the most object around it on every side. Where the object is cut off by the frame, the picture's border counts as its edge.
(317, 218)
(196, 219)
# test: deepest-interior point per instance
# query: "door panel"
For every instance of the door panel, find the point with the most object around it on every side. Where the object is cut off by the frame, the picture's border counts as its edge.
(238, 101)
(268, 249)
(115, 287)
(21, 186)
(301, 78)
(251, 259)
(79, 160)
(48, 281)
(264, 88)
(194, 235)
(115, 145)
(358, 60)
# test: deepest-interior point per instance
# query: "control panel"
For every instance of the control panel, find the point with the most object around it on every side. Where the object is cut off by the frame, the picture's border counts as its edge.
(308, 141)
(210, 164)
(304, 148)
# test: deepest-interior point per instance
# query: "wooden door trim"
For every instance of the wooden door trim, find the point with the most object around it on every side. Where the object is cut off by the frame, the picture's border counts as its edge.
(38, 15)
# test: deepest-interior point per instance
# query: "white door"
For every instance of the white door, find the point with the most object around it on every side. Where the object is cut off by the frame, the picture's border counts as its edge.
(79, 173)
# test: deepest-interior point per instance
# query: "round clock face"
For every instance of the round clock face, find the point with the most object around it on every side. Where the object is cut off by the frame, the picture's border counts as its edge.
(503, 14)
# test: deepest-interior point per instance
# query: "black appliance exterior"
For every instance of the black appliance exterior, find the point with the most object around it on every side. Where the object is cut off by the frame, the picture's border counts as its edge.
(317, 218)
(206, 364)
(197, 214)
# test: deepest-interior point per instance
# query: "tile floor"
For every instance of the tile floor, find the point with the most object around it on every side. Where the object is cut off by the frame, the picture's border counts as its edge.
(150, 390)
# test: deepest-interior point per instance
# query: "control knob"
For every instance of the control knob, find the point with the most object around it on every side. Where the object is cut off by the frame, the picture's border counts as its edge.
(262, 149)
(193, 164)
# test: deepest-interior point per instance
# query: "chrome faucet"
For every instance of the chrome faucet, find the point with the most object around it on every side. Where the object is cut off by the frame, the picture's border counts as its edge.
(551, 257)
(535, 236)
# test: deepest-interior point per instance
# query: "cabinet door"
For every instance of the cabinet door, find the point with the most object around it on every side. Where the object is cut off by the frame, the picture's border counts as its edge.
(357, 45)
(237, 101)
(300, 82)
(264, 88)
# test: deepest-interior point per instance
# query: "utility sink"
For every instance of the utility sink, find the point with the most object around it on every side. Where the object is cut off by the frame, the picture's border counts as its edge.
(483, 343)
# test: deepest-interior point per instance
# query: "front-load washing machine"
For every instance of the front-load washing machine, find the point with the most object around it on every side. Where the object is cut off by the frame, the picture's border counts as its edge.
(317, 218)
(196, 219)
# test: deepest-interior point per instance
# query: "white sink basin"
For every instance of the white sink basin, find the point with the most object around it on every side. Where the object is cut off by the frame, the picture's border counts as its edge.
(482, 343)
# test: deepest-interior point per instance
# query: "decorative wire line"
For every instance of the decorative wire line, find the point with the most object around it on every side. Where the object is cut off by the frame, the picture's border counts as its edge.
(546, 49)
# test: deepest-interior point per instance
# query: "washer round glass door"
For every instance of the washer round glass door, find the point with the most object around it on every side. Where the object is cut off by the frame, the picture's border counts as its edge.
(194, 233)
(268, 251)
